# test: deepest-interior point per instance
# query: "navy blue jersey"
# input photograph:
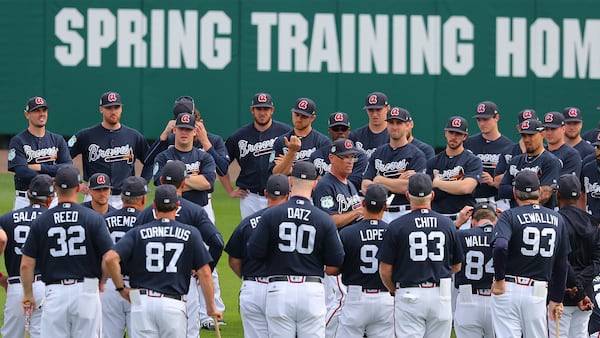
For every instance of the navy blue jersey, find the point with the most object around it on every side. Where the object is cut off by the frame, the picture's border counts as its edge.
(120, 221)
(296, 238)
(361, 243)
(160, 255)
(194, 215)
(389, 162)
(590, 183)
(478, 267)
(368, 141)
(88, 205)
(584, 149)
(112, 152)
(424, 147)
(68, 241)
(569, 158)
(594, 323)
(591, 135)
(16, 225)
(237, 246)
(310, 143)
(320, 159)
(335, 197)
(197, 162)
(50, 151)
(455, 168)
(490, 153)
(536, 236)
(504, 160)
(252, 149)
(421, 246)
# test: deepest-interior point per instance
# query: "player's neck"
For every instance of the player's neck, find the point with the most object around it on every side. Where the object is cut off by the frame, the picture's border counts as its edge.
(304, 132)
(100, 208)
(454, 152)
(556, 146)
(261, 127)
(536, 152)
(572, 142)
(341, 177)
(527, 202)
(492, 135)
(420, 206)
(377, 129)
(37, 131)
(111, 126)
(398, 142)
(184, 147)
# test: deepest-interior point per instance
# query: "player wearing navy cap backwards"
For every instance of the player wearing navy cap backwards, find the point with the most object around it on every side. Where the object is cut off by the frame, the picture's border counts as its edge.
(590, 178)
(110, 147)
(299, 143)
(391, 164)
(253, 293)
(554, 133)
(368, 307)
(68, 242)
(14, 227)
(295, 240)
(573, 124)
(531, 245)
(420, 251)
(35, 150)
(99, 190)
(375, 133)
(159, 257)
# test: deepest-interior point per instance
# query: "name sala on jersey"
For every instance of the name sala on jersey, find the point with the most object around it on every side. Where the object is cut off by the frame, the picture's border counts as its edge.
(165, 231)
(25, 216)
(257, 149)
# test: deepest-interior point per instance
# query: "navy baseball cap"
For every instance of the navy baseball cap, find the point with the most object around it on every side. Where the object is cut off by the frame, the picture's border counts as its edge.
(35, 103)
(183, 104)
(485, 206)
(304, 170)
(99, 181)
(174, 171)
(41, 185)
(554, 120)
(527, 181)
(419, 185)
(376, 195)
(67, 177)
(527, 114)
(531, 127)
(339, 119)
(342, 146)
(305, 106)
(165, 194)
(262, 100)
(486, 110)
(572, 114)
(597, 142)
(398, 113)
(278, 185)
(134, 186)
(185, 120)
(376, 100)
(457, 124)
(569, 185)
(110, 99)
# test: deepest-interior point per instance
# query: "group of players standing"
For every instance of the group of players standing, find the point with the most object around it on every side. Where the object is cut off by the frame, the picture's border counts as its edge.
(341, 237)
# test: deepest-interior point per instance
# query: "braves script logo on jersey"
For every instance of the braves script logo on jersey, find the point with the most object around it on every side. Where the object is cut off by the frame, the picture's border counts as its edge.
(592, 188)
(454, 174)
(513, 171)
(122, 153)
(489, 160)
(391, 169)
(347, 203)
(40, 155)
(301, 154)
(369, 152)
(193, 168)
(257, 149)
(322, 166)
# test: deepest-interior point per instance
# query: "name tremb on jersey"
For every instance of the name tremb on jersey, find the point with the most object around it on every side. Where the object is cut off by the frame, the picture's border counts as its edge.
(592, 188)
(426, 222)
(476, 241)
(391, 169)
(514, 171)
(121, 221)
(66, 217)
(40, 155)
(298, 213)
(371, 235)
(122, 153)
(165, 231)
(24, 216)
(257, 149)
(302, 154)
(536, 217)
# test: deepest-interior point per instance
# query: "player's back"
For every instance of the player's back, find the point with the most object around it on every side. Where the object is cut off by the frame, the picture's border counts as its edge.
(120, 221)
(477, 268)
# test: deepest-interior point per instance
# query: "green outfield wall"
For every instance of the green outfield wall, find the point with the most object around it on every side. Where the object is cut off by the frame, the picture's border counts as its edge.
(434, 58)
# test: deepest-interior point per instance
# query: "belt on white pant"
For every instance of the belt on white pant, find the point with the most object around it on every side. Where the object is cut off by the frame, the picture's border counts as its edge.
(17, 279)
(398, 208)
(296, 279)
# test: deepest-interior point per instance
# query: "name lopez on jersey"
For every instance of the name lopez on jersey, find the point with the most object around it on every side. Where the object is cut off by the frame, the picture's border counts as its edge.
(165, 231)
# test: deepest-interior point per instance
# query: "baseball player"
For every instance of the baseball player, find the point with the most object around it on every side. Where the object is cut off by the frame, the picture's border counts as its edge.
(115, 309)
(594, 323)
(590, 178)
(253, 293)
(392, 164)
(35, 150)
(99, 190)
(530, 249)
(573, 125)
(68, 242)
(473, 314)
(454, 171)
(375, 133)
(111, 148)
(251, 147)
(420, 251)
(295, 240)
(590, 135)
(159, 257)
(299, 143)
(14, 226)
(554, 133)
(368, 307)
(424, 147)
(339, 128)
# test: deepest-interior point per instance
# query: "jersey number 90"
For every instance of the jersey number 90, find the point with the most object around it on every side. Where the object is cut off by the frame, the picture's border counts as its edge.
(299, 238)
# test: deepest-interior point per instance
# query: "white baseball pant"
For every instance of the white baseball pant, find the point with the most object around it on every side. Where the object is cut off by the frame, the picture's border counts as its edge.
(473, 314)
(572, 324)
(154, 316)
(251, 204)
(14, 321)
(253, 301)
(366, 311)
(115, 311)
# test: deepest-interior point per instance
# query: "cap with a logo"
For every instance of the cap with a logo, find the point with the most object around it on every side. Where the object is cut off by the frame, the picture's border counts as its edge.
(35, 103)
(183, 104)
(572, 114)
(278, 185)
(304, 170)
(165, 194)
(531, 127)
(485, 110)
(597, 140)
(262, 100)
(376, 195)
(134, 186)
(99, 181)
(376, 100)
(67, 177)
(339, 119)
(41, 186)
(174, 171)
(398, 113)
(457, 124)
(569, 185)
(527, 181)
(527, 114)
(554, 120)
(342, 146)
(419, 185)
(185, 120)
(110, 99)
(305, 106)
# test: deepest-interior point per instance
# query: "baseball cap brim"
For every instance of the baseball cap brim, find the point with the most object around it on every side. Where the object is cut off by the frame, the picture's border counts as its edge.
(185, 126)
(101, 187)
(110, 104)
(552, 125)
(573, 119)
(374, 106)
(339, 123)
(530, 131)
(347, 152)
(294, 110)
(458, 130)
(38, 106)
(261, 105)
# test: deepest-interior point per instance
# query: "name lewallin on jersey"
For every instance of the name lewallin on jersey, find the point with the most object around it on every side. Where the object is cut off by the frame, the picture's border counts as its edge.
(257, 149)
(122, 153)
(41, 155)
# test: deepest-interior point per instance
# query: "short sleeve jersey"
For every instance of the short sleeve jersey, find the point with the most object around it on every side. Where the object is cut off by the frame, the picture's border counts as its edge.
(478, 267)
(490, 153)
(335, 197)
(569, 158)
(367, 140)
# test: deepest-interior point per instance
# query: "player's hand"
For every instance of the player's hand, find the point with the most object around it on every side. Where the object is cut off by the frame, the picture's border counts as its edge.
(35, 167)
(84, 188)
(168, 130)
(498, 287)
(293, 143)
(585, 304)
(216, 314)
(201, 133)
(486, 178)
(125, 293)
(278, 159)
(436, 177)
(238, 193)
(407, 174)
(464, 215)
(556, 310)
(571, 292)
(28, 304)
